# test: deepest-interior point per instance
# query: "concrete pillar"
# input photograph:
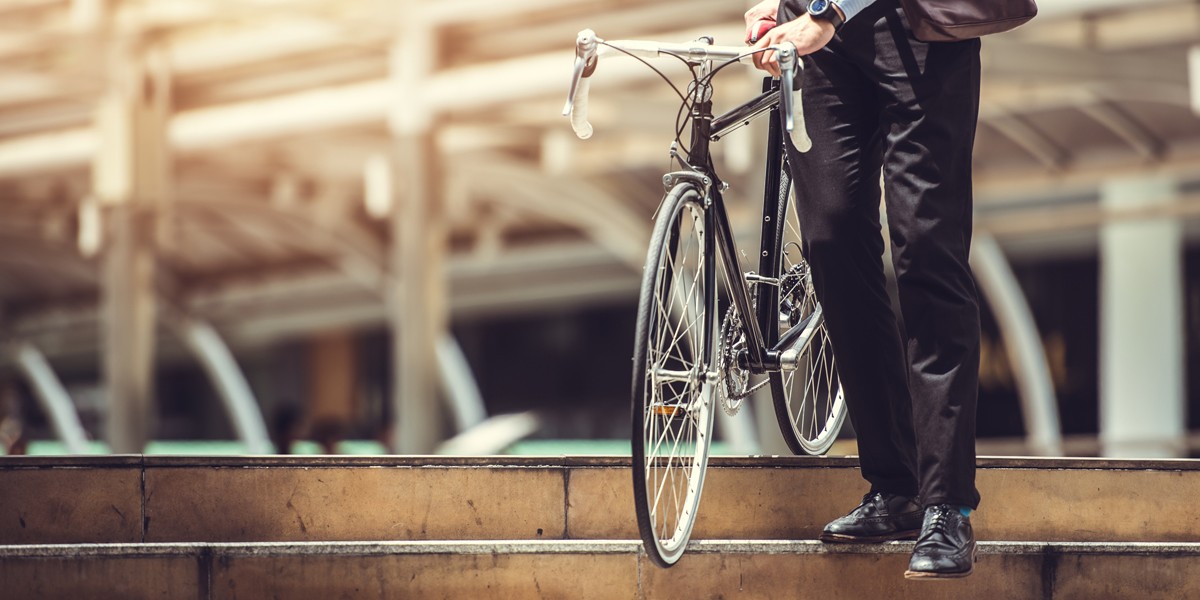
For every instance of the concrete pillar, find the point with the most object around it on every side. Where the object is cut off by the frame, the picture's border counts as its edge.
(1141, 324)
(417, 299)
(130, 179)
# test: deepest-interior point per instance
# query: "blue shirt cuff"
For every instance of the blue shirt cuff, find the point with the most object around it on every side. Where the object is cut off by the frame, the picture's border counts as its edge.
(852, 7)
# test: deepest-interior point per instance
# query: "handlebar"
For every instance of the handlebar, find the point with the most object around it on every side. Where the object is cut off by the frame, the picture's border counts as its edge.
(589, 49)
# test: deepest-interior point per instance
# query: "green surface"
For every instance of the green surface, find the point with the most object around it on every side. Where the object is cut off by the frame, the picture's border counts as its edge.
(209, 447)
(353, 447)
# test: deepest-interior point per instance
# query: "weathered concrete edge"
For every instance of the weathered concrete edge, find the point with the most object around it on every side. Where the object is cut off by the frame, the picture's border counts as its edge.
(379, 549)
(757, 462)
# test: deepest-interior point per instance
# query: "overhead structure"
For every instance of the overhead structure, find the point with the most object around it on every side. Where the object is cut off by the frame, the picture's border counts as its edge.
(281, 167)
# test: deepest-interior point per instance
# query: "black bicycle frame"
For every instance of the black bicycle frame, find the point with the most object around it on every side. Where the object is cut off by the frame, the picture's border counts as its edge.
(706, 129)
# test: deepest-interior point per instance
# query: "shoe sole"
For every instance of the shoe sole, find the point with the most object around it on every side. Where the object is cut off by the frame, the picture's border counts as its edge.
(933, 575)
(839, 538)
(930, 575)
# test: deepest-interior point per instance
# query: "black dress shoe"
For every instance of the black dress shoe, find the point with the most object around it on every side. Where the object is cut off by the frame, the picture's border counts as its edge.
(880, 517)
(946, 548)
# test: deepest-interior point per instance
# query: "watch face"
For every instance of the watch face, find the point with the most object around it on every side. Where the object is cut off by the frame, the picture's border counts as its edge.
(818, 6)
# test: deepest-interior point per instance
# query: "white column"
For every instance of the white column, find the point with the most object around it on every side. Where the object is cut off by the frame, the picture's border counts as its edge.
(130, 179)
(1141, 323)
(417, 295)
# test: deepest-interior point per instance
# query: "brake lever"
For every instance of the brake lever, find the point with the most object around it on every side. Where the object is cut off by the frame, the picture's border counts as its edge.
(792, 107)
(787, 68)
(585, 65)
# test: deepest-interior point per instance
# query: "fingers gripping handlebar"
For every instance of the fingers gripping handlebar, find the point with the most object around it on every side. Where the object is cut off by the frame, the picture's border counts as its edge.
(587, 52)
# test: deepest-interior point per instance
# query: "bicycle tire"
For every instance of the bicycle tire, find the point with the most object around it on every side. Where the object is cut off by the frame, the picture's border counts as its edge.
(671, 416)
(809, 401)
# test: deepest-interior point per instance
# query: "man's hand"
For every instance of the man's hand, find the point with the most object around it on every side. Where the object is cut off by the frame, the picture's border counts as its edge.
(806, 33)
(760, 19)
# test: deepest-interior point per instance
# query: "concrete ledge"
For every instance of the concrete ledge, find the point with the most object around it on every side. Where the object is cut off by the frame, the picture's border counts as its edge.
(764, 547)
(611, 569)
(294, 499)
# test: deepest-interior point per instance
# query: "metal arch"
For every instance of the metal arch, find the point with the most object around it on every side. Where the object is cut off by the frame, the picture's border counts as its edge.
(359, 258)
(1124, 126)
(570, 201)
(53, 397)
(1030, 139)
(227, 377)
(63, 268)
(493, 435)
(1022, 344)
(63, 259)
(466, 402)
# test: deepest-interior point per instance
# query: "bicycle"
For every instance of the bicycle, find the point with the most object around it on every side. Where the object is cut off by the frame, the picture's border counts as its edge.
(685, 362)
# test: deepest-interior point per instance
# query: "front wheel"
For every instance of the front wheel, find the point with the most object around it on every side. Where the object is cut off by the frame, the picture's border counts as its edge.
(809, 403)
(672, 393)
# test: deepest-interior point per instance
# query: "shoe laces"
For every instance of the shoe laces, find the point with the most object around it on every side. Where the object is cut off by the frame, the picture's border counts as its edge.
(939, 516)
(872, 497)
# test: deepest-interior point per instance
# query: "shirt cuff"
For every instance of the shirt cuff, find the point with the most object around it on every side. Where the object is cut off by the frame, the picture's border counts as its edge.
(852, 7)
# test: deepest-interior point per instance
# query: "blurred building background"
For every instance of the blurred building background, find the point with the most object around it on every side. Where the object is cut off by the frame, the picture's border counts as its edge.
(363, 225)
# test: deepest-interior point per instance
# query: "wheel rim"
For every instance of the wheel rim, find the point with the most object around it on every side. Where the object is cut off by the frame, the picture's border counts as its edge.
(813, 392)
(677, 416)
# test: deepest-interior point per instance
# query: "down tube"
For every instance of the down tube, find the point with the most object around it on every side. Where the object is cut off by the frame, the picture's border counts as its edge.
(710, 288)
(737, 283)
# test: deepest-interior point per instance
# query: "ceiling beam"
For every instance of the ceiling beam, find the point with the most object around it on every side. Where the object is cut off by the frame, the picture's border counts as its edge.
(344, 106)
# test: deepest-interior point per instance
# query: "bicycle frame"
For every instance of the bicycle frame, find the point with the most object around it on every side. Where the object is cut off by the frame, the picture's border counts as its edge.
(706, 129)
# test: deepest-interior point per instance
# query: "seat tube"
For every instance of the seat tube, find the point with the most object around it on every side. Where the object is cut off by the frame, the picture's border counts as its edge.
(768, 295)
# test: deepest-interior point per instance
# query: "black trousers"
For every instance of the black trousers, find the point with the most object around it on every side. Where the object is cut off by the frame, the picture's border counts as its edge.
(877, 98)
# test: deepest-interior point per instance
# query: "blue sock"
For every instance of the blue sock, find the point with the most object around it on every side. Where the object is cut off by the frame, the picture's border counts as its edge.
(964, 511)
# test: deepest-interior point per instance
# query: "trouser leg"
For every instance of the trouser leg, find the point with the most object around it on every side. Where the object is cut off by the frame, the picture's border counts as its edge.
(837, 186)
(877, 95)
(930, 97)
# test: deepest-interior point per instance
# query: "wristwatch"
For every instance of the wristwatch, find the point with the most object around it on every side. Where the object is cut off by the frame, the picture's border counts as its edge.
(824, 9)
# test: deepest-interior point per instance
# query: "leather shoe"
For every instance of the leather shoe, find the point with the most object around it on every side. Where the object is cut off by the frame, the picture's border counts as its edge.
(880, 517)
(946, 546)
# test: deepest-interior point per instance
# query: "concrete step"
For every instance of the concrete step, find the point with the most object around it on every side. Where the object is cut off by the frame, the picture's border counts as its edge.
(592, 569)
(162, 499)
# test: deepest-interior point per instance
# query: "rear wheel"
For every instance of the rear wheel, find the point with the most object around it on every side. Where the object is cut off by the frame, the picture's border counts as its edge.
(809, 402)
(673, 398)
